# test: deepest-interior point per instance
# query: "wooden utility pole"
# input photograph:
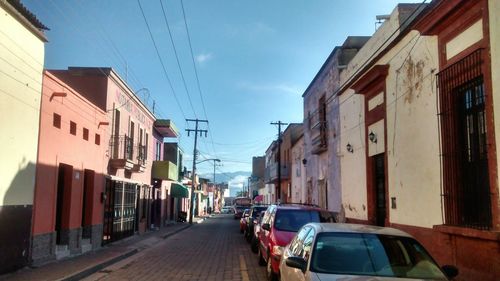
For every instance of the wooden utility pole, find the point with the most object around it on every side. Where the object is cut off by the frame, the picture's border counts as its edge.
(279, 123)
(195, 154)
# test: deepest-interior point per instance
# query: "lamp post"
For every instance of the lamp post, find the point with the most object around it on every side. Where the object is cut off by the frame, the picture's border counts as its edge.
(211, 159)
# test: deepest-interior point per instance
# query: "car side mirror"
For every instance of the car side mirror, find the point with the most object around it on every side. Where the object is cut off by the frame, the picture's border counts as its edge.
(450, 271)
(296, 262)
(266, 226)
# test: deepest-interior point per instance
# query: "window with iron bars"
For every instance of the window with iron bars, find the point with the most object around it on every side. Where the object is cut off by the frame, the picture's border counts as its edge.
(466, 188)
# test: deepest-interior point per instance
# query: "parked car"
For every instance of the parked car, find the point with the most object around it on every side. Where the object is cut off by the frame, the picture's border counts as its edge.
(334, 251)
(254, 243)
(254, 213)
(227, 210)
(278, 227)
(238, 211)
(243, 220)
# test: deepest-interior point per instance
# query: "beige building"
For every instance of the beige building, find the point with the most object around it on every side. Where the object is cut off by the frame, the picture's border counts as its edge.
(21, 66)
(418, 137)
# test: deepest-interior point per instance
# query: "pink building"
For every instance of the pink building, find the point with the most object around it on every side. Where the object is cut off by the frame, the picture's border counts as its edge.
(67, 213)
(133, 142)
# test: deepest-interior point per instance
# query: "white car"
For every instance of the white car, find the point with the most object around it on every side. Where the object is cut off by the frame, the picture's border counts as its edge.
(227, 210)
(335, 251)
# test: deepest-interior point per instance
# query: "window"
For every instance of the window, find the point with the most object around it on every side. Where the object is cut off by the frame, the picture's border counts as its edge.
(464, 145)
(97, 139)
(322, 120)
(56, 122)
(146, 147)
(72, 128)
(86, 134)
(158, 151)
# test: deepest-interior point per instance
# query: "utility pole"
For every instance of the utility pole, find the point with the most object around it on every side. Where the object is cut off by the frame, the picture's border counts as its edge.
(193, 173)
(279, 123)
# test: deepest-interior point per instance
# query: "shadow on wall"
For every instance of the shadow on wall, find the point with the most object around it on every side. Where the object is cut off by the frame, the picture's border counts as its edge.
(15, 219)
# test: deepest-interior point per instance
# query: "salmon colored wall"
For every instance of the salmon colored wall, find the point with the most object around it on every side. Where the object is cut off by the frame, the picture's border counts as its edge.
(131, 109)
(59, 146)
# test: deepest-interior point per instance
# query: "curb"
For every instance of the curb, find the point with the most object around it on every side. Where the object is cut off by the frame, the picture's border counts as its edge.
(175, 232)
(93, 269)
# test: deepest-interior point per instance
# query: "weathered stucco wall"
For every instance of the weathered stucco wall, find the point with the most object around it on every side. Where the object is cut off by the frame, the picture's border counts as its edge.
(20, 92)
(413, 163)
(353, 172)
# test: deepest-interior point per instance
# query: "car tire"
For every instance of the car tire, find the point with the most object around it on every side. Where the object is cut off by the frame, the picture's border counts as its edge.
(271, 276)
(262, 261)
(254, 244)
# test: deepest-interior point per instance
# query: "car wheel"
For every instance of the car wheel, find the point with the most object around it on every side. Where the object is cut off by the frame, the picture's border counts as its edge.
(271, 276)
(262, 261)
(254, 244)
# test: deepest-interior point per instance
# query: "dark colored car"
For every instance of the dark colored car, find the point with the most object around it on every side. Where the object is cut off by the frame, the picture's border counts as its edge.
(238, 211)
(278, 227)
(254, 243)
(254, 213)
(243, 220)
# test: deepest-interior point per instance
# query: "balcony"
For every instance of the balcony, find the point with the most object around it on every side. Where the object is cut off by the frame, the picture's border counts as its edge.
(166, 128)
(165, 170)
(141, 160)
(271, 175)
(319, 137)
(122, 151)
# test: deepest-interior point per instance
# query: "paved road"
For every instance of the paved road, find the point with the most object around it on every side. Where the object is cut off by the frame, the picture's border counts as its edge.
(212, 250)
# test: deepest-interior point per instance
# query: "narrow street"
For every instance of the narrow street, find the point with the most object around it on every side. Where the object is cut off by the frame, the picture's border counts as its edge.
(212, 250)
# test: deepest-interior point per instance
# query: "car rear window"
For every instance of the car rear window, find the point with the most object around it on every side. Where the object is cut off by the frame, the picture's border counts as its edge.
(257, 210)
(293, 220)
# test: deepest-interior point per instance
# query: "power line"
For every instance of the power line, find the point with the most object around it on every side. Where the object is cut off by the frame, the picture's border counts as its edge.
(177, 57)
(196, 72)
(163, 65)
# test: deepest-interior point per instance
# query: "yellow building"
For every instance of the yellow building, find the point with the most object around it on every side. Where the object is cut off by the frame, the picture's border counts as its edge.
(21, 64)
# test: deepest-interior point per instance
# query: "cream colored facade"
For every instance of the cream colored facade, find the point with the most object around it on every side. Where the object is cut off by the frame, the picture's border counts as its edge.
(409, 131)
(353, 163)
(298, 173)
(22, 55)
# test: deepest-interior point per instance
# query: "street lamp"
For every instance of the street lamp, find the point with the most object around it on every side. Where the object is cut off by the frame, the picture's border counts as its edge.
(211, 159)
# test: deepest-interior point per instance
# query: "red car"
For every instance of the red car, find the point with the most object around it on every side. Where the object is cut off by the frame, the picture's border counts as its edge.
(243, 220)
(278, 227)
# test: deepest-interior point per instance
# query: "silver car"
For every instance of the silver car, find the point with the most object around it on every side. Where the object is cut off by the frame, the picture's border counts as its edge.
(334, 251)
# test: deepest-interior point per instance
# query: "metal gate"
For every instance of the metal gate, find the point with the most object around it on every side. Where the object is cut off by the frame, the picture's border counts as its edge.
(119, 210)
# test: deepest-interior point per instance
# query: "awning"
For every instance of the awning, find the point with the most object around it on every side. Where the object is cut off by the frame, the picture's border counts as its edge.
(178, 191)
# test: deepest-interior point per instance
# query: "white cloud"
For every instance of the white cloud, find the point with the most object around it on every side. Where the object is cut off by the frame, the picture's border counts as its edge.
(202, 58)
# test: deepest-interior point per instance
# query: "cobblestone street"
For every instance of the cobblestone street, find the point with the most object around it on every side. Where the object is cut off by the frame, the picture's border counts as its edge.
(212, 250)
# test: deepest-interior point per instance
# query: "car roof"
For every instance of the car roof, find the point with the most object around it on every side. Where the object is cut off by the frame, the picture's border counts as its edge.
(298, 207)
(357, 228)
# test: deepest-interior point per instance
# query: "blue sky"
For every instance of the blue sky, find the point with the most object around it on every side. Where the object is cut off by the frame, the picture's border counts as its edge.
(254, 59)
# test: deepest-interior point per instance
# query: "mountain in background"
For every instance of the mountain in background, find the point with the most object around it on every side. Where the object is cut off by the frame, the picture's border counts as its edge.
(227, 177)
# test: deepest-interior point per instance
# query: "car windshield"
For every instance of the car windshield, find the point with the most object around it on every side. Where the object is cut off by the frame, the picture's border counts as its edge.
(257, 210)
(373, 255)
(293, 220)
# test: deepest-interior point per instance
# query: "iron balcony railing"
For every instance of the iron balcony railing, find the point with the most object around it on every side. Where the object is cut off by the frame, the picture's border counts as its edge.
(122, 147)
(141, 154)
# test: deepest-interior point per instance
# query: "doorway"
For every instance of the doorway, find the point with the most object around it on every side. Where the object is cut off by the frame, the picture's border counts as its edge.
(379, 184)
(64, 181)
(88, 189)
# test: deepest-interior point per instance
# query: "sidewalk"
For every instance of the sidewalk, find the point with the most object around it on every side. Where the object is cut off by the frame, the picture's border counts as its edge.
(79, 267)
